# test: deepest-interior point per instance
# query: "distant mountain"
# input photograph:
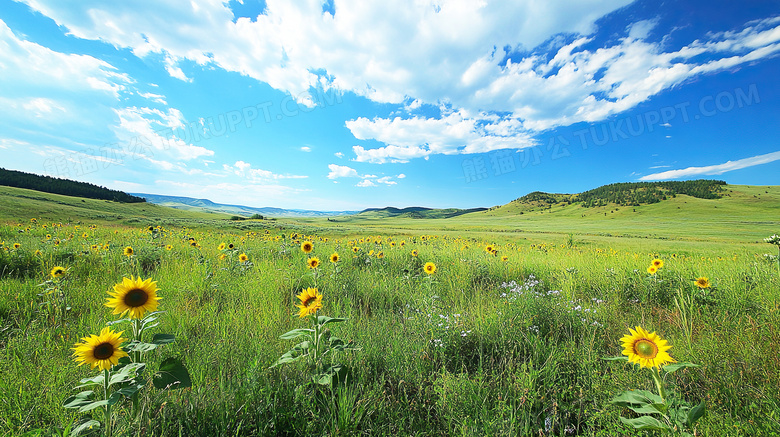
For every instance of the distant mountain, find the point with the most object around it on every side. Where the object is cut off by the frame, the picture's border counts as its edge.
(417, 212)
(189, 203)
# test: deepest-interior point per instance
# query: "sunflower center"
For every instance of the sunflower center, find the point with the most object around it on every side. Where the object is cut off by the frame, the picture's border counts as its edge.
(136, 298)
(103, 351)
(645, 348)
(309, 301)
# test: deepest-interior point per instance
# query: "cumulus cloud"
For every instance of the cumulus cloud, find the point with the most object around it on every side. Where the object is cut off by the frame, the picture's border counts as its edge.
(714, 169)
(481, 59)
(341, 171)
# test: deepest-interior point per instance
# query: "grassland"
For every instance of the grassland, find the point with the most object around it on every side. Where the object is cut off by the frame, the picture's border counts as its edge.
(459, 352)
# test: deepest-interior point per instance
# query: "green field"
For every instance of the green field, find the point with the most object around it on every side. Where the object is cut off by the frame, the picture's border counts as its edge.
(462, 351)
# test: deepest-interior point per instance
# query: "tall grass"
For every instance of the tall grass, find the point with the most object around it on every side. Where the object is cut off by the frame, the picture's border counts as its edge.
(483, 347)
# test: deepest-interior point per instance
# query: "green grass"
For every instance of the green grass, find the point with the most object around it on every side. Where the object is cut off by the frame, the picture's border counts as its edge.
(462, 355)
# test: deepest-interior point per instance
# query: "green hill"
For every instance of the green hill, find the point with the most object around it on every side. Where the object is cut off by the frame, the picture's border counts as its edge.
(67, 187)
(416, 212)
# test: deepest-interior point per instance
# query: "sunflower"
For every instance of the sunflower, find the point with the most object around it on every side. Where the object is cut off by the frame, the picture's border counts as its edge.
(135, 296)
(231, 246)
(100, 350)
(355, 249)
(128, 251)
(703, 282)
(489, 248)
(652, 270)
(334, 257)
(313, 262)
(307, 247)
(221, 246)
(658, 263)
(168, 247)
(414, 252)
(504, 258)
(17, 245)
(430, 268)
(403, 243)
(311, 301)
(646, 349)
(380, 255)
(243, 258)
(57, 272)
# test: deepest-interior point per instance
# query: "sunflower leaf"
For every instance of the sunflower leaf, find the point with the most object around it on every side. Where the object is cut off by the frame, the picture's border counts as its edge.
(645, 423)
(324, 320)
(139, 346)
(339, 345)
(161, 339)
(670, 368)
(126, 373)
(79, 400)
(696, 413)
(636, 397)
(295, 333)
(92, 405)
(172, 375)
(91, 381)
(114, 322)
(86, 425)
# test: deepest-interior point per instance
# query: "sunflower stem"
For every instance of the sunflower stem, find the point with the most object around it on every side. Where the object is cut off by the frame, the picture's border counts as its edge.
(659, 383)
(106, 378)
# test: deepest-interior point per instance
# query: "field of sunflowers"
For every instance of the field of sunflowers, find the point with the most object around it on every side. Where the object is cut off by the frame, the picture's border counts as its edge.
(152, 330)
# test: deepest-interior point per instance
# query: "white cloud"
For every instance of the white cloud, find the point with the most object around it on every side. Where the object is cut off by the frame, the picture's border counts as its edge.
(455, 54)
(339, 155)
(418, 137)
(305, 149)
(401, 176)
(365, 183)
(341, 171)
(387, 180)
(256, 175)
(714, 169)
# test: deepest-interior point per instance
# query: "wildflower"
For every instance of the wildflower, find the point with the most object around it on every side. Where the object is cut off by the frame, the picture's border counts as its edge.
(334, 257)
(311, 301)
(128, 251)
(243, 258)
(430, 268)
(307, 247)
(646, 349)
(504, 258)
(414, 252)
(17, 245)
(652, 270)
(313, 262)
(221, 246)
(168, 247)
(134, 296)
(658, 263)
(702, 282)
(100, 351)
(57, 272)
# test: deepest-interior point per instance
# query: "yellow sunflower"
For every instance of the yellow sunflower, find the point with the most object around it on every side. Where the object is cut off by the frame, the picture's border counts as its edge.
(430, 268)
(128, 251)
(652, 270)
(380, 255)
(307, 246)
(311, 301)
(414, 252)
(334, 257)
(489, 248)
(168, 247)
(646, 348)
(355, 249)
(504, 258)
(313, 262)
(100, 351)
(243, 258)
(17, 245)
(221, 246)
(135, 296)
(702, 282)
(658, 263)
(57, 272)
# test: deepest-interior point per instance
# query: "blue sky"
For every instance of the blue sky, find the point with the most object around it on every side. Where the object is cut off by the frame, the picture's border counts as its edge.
(346, 105)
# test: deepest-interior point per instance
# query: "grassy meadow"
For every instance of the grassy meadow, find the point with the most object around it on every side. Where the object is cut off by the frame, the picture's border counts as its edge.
(505, 343)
